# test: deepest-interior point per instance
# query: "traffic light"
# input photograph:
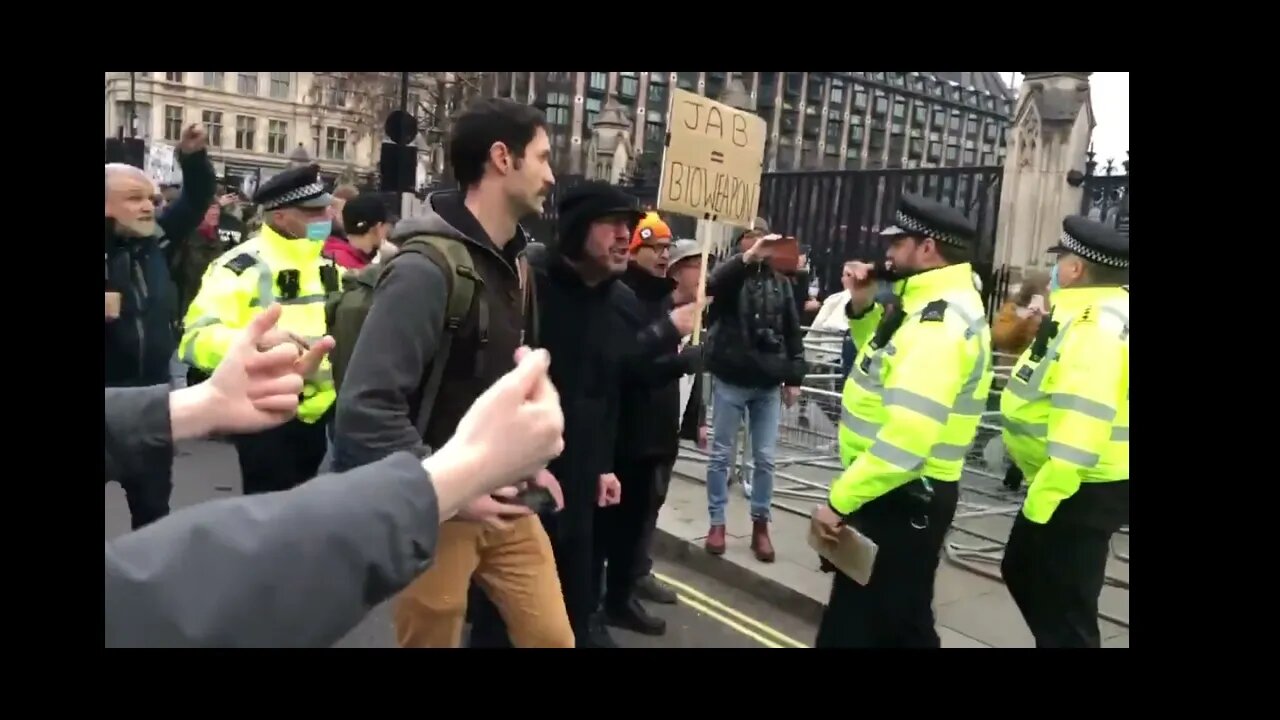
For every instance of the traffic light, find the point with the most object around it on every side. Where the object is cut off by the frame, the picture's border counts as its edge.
(398, 167)
(132, 151)
(398, 163)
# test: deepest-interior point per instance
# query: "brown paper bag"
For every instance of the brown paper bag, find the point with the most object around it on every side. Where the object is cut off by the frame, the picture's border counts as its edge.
(854, 554)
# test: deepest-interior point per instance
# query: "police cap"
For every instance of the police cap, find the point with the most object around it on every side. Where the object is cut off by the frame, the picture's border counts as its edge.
(296, 187)
(1094, 241)
(920, 216)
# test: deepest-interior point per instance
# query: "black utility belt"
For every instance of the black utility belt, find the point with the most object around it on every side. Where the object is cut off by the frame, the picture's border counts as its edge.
(913, 499)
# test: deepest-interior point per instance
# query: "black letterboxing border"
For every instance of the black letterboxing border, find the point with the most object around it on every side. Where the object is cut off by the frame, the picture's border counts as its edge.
(1186, 513)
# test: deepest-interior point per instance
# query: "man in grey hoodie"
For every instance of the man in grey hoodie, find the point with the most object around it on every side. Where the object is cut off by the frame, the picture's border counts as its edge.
(501, 157)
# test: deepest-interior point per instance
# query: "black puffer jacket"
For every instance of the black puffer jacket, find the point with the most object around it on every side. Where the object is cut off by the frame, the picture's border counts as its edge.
(753, 348)
(650, 414)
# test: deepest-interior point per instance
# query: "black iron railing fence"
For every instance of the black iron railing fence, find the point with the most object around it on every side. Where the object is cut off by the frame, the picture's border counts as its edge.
(837, 214)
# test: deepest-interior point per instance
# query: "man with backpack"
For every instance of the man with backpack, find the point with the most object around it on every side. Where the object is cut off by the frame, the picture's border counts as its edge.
(444, 319)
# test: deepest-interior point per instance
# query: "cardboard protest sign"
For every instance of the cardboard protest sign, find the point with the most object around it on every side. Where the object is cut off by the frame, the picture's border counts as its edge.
(162, 165)
(713, 160)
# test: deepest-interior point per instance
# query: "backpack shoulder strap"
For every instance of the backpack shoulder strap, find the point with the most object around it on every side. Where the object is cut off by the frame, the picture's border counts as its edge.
(529, 301)
(462, 280)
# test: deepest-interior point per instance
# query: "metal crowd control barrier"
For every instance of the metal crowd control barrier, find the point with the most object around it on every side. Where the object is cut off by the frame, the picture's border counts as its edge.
(807, 458)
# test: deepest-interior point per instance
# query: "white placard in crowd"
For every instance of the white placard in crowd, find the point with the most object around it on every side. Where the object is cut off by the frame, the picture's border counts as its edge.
(162, 165)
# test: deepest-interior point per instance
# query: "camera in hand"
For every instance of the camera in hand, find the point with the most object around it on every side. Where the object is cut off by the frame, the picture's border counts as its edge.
(768, 340)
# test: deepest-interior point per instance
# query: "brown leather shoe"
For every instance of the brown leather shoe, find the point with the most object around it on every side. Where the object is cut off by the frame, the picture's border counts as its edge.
(715, 540)
(760, 544)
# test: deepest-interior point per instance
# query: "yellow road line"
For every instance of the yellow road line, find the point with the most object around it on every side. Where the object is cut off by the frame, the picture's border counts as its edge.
(707, 600)
(717, 616)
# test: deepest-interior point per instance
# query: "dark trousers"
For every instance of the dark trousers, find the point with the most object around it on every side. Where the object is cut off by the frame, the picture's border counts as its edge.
(282, 457)
(572, 533)
(147, 493)
(644, 556)
(1055, 574)
(623, 532)
(895, 608)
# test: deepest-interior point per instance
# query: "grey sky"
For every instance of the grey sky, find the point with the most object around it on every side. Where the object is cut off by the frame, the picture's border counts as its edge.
(1110, 91)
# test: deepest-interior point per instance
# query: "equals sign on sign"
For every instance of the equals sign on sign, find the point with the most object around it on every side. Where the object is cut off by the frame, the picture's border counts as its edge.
(717, 157)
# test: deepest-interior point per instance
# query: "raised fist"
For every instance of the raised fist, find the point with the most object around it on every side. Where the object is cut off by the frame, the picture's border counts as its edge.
(194, 139)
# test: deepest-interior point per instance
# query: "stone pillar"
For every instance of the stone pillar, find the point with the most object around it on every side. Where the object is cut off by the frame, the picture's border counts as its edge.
(1050, 134)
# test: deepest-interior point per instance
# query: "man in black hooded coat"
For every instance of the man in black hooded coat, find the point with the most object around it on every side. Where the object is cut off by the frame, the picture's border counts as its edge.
(588, 321)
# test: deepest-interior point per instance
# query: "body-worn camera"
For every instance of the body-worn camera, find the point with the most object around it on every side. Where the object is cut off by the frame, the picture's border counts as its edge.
(329, 278)
(288, 283)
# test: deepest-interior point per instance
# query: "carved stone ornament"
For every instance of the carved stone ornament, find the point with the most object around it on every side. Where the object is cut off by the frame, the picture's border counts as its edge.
(1028, 140)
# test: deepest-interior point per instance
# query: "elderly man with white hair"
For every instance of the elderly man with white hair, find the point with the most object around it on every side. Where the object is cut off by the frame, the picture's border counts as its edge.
(141, 301)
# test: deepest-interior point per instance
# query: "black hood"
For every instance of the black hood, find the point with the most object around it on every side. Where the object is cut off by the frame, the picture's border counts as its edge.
(646, 285)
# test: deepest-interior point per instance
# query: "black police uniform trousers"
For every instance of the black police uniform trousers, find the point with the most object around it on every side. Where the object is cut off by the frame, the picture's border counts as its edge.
(624, 532)
(147, 492)
(282, 457)
(895, 608)
(1055, 571)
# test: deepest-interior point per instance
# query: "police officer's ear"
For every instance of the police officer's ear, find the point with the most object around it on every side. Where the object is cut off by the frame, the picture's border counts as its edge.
(1071, 270)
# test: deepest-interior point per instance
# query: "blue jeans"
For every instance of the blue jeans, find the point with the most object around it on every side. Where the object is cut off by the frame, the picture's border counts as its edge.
(848, 353)
(763, 407)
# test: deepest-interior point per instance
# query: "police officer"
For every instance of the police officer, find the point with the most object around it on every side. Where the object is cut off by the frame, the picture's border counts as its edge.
(911, 407)
(1065, 413)
(281, 264)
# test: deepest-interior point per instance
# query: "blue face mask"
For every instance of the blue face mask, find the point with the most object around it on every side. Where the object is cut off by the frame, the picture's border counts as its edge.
(1053, 280)
(319, 230)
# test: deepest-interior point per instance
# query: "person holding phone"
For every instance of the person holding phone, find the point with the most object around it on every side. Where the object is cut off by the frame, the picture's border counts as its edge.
(755, 353)
(910, 410)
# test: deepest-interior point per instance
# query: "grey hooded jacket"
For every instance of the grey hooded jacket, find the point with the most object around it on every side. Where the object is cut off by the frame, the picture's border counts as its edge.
(299, 568)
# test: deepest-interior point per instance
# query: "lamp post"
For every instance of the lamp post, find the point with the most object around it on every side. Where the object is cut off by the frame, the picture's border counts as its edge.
(133, 105)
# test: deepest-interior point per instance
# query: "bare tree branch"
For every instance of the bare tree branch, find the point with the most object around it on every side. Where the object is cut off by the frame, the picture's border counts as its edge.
(363, 100)
(369, 97)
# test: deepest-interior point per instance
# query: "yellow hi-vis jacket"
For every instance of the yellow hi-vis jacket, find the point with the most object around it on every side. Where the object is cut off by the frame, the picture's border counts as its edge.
(1066, 413)
(912, 402)
(243, 283)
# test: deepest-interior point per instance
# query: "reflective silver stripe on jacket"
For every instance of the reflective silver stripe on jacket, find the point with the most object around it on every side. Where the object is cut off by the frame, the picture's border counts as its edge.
(189, 355)
(300, 300)
(965, 403)
(1039, 431)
